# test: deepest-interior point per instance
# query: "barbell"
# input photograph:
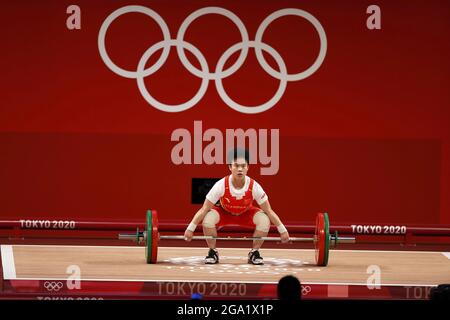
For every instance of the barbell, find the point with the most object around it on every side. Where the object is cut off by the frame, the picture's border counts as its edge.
(322, 238)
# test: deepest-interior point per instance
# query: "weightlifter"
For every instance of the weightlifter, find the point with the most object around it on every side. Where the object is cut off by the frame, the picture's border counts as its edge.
(234, 195)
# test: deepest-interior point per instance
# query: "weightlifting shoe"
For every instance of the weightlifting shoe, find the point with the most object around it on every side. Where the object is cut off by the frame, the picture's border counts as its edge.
(255, 258)
(212, 257)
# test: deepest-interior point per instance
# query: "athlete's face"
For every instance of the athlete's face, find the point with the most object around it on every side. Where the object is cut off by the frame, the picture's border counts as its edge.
(239, 168)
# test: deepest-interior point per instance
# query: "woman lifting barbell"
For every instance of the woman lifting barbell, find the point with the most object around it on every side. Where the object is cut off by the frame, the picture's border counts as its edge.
(235, 194)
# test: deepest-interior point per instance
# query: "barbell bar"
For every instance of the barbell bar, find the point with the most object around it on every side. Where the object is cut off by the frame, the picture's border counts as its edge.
(322, 238)
(141, 236)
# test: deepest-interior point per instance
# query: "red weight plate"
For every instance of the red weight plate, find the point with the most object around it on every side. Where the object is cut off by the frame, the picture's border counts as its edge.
(320, 239)
(155, 236)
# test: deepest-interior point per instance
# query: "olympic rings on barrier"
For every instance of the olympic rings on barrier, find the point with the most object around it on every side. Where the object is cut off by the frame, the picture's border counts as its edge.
(306, 290)
(53, 286)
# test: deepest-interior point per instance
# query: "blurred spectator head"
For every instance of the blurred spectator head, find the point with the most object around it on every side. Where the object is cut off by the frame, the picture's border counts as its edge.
(289, 288)
(440, 293)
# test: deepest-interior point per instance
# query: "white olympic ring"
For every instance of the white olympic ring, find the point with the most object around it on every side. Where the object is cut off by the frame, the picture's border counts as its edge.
(218, 73)
(53, 285)
(306, 290)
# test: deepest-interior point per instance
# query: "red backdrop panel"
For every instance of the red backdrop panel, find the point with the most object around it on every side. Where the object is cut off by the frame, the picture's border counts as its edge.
(366, 137)
(111, 175)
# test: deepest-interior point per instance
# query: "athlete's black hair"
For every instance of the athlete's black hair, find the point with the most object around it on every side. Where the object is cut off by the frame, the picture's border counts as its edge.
(238, 153)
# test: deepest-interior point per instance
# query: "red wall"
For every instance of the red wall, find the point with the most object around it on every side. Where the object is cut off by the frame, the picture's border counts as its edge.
(366, 137)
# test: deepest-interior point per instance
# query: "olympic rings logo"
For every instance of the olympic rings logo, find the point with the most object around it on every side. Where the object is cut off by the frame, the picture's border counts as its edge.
(306, 290)
(219, 74)
(53, 285)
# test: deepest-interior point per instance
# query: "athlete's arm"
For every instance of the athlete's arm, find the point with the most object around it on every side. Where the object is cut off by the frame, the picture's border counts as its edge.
(275, 219)
(198, 218)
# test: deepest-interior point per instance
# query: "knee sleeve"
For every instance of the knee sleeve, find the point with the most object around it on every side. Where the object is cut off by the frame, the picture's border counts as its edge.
(261, 221)
(211, 219)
